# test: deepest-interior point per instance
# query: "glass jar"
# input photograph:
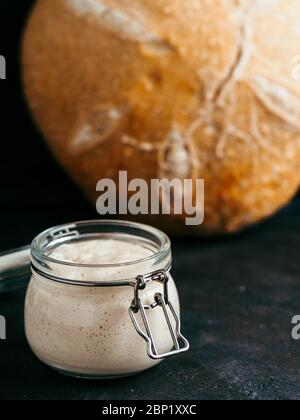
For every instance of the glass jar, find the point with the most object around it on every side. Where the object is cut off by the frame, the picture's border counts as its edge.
(120, 320)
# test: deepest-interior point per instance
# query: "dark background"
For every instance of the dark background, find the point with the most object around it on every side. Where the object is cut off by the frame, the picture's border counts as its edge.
(238, 294)
(35, 192)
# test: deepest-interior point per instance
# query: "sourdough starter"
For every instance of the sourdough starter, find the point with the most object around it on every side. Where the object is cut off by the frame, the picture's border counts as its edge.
(88, 330)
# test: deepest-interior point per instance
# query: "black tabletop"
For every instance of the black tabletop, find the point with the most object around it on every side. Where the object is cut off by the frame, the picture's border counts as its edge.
(238, 298)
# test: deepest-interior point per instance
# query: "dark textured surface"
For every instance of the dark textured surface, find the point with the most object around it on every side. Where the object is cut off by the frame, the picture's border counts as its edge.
(238, 298)
(238, 295)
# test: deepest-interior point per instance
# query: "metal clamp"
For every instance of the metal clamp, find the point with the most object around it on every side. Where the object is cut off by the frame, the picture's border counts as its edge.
(162, 300)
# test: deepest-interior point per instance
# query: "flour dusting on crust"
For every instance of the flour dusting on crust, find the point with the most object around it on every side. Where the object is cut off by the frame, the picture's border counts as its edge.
(123, 23)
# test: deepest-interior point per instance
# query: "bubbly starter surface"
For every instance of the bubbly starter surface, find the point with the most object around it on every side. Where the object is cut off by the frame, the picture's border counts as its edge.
(101, 251)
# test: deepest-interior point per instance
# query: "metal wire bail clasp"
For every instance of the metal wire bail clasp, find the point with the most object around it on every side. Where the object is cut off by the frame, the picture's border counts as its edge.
(162, 300)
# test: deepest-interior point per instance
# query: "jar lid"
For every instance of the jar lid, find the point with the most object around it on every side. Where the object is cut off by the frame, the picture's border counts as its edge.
(16, 265)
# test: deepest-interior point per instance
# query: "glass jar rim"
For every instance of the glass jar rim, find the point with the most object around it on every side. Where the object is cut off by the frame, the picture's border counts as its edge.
(68, 230)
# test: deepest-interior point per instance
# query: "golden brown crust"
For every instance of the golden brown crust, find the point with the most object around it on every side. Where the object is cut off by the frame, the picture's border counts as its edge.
(175, 88)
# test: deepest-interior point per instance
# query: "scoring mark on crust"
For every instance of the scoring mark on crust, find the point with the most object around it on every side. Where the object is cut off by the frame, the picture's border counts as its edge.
(143, 146)
(99, 126)
(127, 24)
(277, 99)
(177, 159)
(242, 58)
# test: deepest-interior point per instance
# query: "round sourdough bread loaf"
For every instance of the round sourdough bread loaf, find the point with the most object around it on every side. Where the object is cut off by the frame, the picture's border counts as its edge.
(175, 89)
